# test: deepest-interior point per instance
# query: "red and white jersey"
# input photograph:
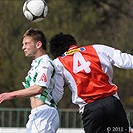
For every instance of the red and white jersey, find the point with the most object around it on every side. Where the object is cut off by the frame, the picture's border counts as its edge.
(88, 71)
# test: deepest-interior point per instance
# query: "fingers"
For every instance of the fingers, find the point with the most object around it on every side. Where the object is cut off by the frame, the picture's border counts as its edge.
(3, 97)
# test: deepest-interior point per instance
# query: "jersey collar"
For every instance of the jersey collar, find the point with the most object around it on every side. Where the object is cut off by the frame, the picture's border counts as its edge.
(72, 47)
(37, 59)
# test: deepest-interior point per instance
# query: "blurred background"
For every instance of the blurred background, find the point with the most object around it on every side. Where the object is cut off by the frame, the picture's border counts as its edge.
(89, 21)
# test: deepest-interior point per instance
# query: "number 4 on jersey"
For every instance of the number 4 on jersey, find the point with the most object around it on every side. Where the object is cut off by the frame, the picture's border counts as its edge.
(80, 64)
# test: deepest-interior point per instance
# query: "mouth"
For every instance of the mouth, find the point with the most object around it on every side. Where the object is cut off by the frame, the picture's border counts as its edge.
(25, 52)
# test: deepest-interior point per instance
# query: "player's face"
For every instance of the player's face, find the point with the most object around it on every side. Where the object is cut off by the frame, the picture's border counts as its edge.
(29, 47)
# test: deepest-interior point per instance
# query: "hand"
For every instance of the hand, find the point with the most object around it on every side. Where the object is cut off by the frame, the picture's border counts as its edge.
(5, 96)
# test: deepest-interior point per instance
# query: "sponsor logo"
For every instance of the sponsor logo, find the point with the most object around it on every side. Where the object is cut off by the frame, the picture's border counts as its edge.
(43, 78)
(70, 52)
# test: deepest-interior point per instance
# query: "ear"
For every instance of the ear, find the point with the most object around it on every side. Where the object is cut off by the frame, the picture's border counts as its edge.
(38, 44)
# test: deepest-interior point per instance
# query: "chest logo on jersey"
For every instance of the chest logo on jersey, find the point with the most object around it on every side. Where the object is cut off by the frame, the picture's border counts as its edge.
(70, 52)
(43, 78)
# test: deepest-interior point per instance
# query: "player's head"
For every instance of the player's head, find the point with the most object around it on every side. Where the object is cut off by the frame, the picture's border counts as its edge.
(34, 43)
(36, 35)
(60, 43)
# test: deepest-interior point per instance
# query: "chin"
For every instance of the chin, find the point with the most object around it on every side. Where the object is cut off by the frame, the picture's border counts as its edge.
(26, 55)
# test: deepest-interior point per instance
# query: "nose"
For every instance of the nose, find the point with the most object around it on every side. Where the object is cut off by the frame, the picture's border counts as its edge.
(23, 47)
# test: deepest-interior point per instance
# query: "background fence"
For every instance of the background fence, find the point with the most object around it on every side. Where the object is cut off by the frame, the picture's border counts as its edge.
(69, 118)
(17, 117)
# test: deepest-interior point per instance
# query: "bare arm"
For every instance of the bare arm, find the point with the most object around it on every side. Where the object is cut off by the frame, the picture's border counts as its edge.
(29, 92)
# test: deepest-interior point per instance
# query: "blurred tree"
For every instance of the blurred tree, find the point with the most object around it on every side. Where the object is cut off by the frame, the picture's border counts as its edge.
(89, 21)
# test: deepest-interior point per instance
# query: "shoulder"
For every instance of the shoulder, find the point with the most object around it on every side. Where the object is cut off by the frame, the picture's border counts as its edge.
(102, 47)
(45, 61)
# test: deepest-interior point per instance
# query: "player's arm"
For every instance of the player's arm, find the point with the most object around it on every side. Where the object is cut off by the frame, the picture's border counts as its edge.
(117, 57)
(123, 60)
(58, 90)
(28, 92)
(120, 59)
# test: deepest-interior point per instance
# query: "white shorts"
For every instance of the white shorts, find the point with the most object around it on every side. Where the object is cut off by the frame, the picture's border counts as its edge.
(43, 119)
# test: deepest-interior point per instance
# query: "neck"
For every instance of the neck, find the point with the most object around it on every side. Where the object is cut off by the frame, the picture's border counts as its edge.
(39, 53)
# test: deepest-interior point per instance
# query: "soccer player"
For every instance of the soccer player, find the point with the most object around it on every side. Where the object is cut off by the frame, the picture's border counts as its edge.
(39, 82)
(88, 72)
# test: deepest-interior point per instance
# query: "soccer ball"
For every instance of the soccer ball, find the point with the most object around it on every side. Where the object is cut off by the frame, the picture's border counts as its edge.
(35, 10)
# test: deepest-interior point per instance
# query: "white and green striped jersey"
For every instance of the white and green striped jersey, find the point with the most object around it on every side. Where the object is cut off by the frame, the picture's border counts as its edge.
(41, 73)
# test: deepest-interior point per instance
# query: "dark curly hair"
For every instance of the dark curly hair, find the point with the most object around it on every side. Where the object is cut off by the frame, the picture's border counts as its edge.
(60, 43)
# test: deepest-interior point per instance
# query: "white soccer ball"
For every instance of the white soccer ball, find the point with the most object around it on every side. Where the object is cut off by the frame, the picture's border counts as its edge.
(35, 10)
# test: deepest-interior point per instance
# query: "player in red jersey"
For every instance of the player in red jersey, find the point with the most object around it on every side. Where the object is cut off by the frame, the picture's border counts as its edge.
(88, 72)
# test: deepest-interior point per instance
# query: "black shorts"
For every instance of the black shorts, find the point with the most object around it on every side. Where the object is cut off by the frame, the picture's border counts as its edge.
(105, 116)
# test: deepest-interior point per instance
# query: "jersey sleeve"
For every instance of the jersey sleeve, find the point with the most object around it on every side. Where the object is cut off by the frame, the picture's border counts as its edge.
(44, 74)
(58, 89)
(117, 57)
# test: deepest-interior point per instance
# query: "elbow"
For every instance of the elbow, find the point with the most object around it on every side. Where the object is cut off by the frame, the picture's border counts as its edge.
(57, 96)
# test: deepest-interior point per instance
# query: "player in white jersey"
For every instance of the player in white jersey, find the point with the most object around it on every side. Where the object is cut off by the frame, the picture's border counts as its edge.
(88, 72)
(39, 83)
